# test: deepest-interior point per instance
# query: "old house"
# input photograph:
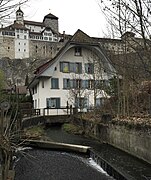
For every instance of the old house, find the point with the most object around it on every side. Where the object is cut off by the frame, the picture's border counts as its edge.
(73, 77)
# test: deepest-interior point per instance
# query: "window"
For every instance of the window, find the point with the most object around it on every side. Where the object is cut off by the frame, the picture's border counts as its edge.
(78, 51)
(71, 67)
(78, 83)
(24, 50)
(64, 67)
(18, 36)
(99, 102)
(90, 84)
(18, 81)
(21, 31)
(81, 102)
(72, 83)
(18, 49)
(98, 84)
(42, 83)
(85, 84)
(66, 83)
(78, 67)
(54, 83)
(25, 37)
(53, 102)
(89, 68)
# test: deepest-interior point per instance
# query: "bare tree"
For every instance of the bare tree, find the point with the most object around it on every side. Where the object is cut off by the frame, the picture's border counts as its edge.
(7, 7)
(128, 18)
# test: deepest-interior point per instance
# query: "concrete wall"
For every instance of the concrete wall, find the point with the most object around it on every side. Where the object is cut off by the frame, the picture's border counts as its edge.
(134, 141)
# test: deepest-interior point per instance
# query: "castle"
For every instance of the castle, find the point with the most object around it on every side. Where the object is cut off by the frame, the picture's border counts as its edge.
(25, 45)
(29, 39)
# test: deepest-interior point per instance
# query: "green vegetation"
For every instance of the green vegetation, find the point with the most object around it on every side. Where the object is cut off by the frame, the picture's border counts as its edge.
(73, 129)
(35, 132)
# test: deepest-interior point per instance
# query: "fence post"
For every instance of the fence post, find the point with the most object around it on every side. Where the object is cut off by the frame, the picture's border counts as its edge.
(43, 111)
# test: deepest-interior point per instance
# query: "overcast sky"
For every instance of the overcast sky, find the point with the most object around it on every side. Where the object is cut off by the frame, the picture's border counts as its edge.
(73, 14)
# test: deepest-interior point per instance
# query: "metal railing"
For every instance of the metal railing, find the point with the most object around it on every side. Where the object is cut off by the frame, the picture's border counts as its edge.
(46, 111)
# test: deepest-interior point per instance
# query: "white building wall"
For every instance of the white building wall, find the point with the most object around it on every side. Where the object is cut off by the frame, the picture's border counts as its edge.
(64, 94)
(21, 44)
(35, 28)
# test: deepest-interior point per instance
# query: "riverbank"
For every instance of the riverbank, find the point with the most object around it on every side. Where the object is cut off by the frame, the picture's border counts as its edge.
(123, 162)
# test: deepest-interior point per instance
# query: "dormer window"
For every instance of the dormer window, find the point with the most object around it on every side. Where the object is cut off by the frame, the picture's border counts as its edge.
(78, 51)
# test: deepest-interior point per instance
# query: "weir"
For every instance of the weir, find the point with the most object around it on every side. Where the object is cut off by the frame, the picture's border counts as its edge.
(116, 163)
(106, 166)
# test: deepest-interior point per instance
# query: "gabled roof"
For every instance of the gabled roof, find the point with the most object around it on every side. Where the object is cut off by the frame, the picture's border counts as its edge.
(49, 28)
(76, 39)
(81, 37)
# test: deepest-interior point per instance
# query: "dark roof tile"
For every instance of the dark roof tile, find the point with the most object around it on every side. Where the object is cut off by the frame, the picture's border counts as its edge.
(81, 37)
(50, 16)
(34, 23)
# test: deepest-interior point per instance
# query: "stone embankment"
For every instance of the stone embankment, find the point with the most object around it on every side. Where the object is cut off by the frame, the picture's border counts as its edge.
(136, 141)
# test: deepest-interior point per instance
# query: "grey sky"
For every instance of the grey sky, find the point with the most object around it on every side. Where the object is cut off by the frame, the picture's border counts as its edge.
(73, 14)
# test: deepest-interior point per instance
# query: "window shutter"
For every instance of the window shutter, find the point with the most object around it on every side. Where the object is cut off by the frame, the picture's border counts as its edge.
(57, 102)
(80, 68)
(61, 66)
(48, 102)
(65, 83)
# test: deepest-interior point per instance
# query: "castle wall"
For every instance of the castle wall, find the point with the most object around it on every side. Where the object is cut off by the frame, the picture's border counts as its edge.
(41, 49)
(7, 47)
(53, 23)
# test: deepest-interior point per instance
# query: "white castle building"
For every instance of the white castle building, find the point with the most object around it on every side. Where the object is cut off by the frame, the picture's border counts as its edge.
(26, 39)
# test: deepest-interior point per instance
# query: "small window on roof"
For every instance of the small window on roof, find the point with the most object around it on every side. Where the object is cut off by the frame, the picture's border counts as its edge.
(78, 51)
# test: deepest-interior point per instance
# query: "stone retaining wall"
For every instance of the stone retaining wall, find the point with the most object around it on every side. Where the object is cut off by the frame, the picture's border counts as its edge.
(134, 141)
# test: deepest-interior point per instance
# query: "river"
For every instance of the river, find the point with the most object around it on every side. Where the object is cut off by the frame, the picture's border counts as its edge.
(39, 164)
(53, 165)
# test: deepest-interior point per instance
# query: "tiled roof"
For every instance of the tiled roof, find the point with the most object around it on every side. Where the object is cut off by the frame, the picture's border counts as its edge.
(51, 16)
(34, 23)
(19, 26)
(81, 37)
(107, 40)
(49, 28)
(78, 37)
(21, 89)
(15, 26)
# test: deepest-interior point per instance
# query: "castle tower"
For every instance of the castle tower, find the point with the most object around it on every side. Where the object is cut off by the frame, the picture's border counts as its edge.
(19, 16)
(51, 21)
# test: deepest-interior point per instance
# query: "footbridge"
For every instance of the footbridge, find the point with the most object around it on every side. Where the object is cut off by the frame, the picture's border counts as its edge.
(46, 116)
